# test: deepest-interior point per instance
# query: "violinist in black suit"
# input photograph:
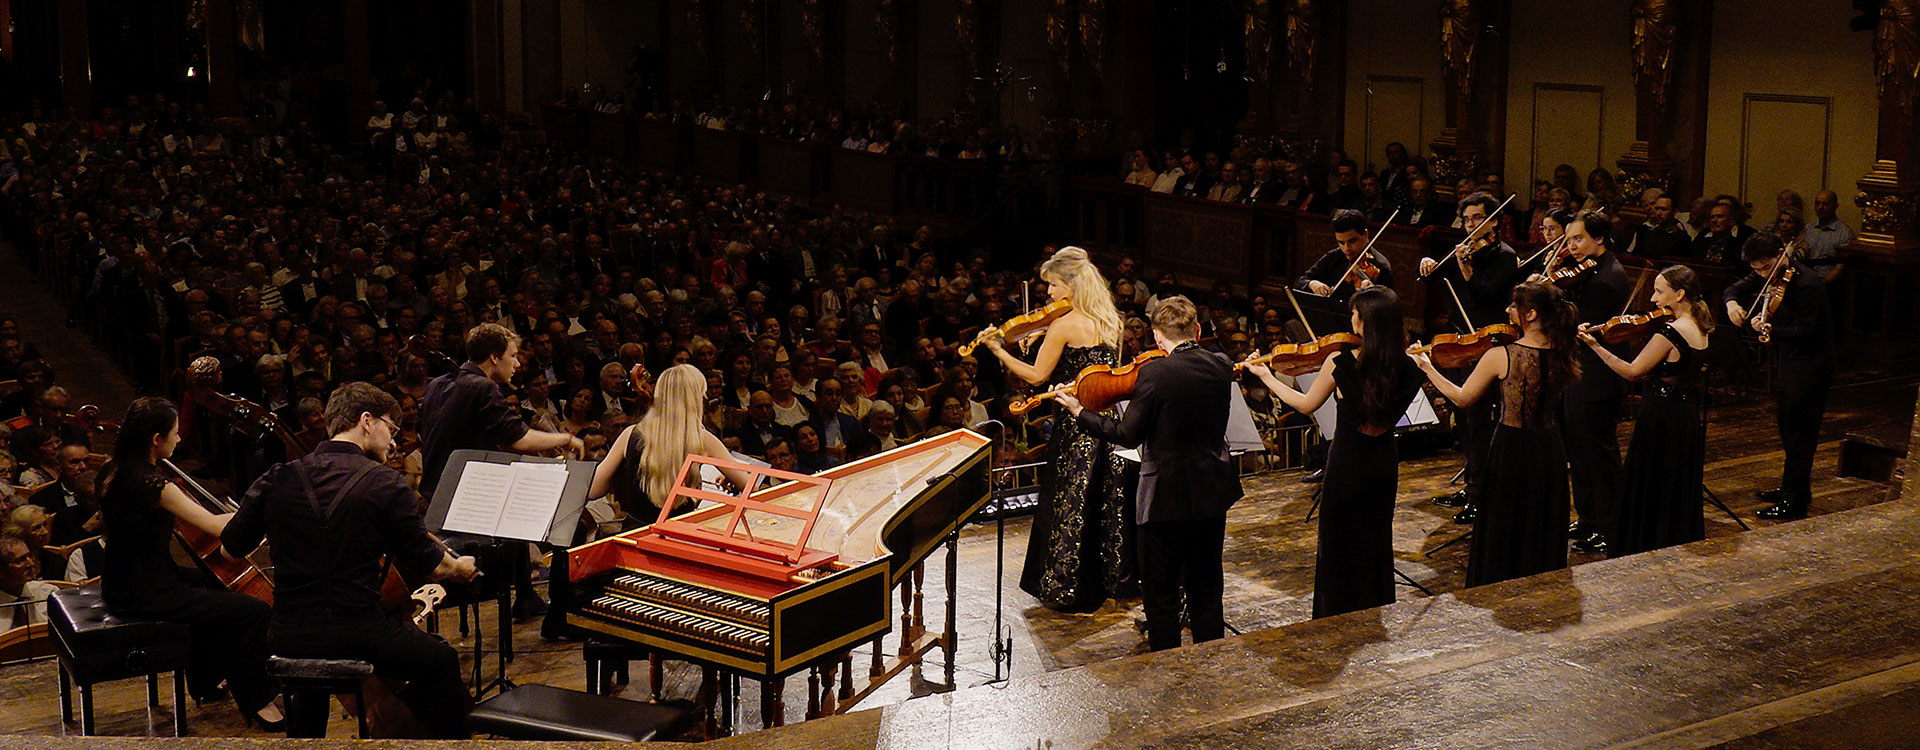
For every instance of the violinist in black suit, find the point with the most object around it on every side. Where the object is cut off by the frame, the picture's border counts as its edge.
(1178, 416)
(1590, 415)
(1802, 333)
(1481, 274)
(1350, 235)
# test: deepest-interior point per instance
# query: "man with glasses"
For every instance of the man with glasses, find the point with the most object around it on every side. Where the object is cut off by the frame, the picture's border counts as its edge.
(336, 520)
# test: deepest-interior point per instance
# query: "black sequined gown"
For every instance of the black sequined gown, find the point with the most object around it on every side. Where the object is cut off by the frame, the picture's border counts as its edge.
(1081, 549)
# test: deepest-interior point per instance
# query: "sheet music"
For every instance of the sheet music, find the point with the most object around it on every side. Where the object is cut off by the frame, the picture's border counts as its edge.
(480, 498)
(513, 501)
(535, 498)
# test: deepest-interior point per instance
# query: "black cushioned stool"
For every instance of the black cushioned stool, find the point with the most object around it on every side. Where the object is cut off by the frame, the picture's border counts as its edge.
(95, 647)
(310, 685)
(540, 712)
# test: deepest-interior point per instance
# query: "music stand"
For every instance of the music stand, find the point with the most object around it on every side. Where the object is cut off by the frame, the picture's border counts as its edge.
(559, 533)
(1324, 314)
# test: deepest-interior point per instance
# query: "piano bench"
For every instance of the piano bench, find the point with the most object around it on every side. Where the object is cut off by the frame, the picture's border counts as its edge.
(310, 685)
(94, 647)
(541, 712)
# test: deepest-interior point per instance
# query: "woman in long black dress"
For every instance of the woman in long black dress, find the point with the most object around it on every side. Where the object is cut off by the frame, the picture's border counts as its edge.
(1081, 549)
(140, 580)
(1522, 527)
(1660, 505)
(1353, 569)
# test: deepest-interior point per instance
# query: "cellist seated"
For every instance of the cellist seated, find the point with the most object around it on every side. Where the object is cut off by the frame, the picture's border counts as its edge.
(331, 518)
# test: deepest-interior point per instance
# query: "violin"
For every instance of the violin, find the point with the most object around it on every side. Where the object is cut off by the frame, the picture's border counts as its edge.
(1098, 387)
(1571, 273)
(1021, 327)
(1772, 294)
(1363, 273)
(1460, 349)
(1624, 328)
(1300, 359)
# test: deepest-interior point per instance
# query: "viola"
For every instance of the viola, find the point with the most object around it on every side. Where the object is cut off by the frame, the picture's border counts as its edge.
(1098, 387)
(1461, 349)
(1363, 274)
(1022, 326)
(1625, 328)
(1300, 359)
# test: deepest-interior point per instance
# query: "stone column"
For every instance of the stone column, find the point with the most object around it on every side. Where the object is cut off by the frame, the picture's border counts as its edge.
(1888, 192)
(223, 80)
(1646, 164)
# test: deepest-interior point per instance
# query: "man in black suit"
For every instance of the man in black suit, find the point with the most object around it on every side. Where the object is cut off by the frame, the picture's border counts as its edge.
(1424, 210)
(759, 430)
(1482, 285)
(1802, 334)
(1590, 411)
(1179, 416)
(1350, 236)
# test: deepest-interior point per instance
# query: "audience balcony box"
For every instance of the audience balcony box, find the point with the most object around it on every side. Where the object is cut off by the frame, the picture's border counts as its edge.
(610, 135)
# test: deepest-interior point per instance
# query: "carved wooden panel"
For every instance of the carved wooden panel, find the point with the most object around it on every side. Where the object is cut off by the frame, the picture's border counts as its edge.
(786, 167)
(657, 145)
(1190, 235)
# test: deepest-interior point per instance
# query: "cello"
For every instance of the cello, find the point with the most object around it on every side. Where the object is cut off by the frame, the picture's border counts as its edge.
(236, 574)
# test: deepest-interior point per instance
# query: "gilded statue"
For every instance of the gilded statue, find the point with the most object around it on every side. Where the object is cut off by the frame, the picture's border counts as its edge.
(883, 16)
(752, 12)
(1303, 28)
(1060, 34)
(1896, 51)
(1653, 31)
(697, 22)
(813, 26)
(1093, 31)
(1259, 38)
(1459, 31)
(966, 31)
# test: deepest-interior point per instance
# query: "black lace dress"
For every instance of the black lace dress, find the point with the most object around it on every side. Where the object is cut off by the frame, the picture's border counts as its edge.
(1660, 500)
(1081, 549)
(1353, 568)
(1522, 528)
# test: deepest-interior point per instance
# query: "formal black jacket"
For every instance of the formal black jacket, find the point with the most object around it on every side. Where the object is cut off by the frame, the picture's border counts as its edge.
(1486, 296)
(1331, 265)
(1602, 296)
(1802, 328)
(463, 409)
(1178, 417)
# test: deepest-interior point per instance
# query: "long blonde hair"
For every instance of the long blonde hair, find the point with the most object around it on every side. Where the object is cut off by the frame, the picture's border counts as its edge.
(671, 429)
(1090, 294)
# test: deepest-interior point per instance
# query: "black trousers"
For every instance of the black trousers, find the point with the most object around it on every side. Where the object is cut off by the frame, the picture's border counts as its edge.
(1176, 556)
(1591, 432)
(1799, 411)
(229, 640)
(427, 664)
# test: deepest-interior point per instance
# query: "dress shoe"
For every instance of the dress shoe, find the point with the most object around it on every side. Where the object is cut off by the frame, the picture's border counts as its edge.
(1467, 514)
(1594, 542)
(1456, 500)
(1782, 511)
(1775, 495)
(1316, 477)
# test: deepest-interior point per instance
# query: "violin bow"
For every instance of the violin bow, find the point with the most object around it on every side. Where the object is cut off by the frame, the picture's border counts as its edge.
(1363, 253)
(1301, 313)
(1543, 251)
(1636, 291)
(1486, 225)
(1463, 308)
